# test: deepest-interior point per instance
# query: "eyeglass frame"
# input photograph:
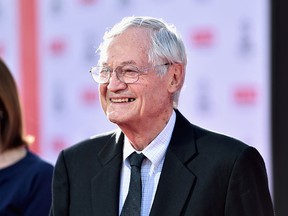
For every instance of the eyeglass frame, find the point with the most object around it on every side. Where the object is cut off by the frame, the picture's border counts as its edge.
(137, 71)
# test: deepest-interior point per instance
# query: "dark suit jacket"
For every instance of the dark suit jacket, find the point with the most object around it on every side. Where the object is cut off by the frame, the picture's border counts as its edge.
(204, 174)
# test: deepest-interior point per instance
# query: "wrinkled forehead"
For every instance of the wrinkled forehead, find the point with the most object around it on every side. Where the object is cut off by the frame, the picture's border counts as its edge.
(132, 44)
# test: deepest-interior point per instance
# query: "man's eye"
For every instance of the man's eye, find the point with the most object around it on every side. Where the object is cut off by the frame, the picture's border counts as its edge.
(104, 70)
(129, 69)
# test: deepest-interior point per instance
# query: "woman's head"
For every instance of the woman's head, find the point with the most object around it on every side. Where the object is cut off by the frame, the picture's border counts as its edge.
(11, 125)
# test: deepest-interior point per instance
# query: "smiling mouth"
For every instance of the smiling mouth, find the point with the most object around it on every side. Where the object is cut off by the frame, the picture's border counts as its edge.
(122, 100)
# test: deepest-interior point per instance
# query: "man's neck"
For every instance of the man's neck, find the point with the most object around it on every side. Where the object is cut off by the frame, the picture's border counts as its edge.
(142, 134)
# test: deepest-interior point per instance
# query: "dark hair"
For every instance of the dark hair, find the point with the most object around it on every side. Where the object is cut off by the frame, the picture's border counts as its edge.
(11, 123)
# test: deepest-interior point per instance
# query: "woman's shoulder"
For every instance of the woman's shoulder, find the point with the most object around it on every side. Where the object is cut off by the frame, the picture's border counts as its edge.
(37, 163)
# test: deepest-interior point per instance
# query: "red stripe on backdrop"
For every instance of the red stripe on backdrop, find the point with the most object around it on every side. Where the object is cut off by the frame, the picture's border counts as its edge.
(29, 69)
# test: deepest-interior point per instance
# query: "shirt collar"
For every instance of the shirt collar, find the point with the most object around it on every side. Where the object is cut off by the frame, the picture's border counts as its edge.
(156, 150)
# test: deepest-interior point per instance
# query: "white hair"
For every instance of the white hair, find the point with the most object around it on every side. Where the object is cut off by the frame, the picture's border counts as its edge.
(166, 44)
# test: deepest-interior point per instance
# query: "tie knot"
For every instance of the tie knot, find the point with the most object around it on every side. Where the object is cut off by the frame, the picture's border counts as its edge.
(136, 159)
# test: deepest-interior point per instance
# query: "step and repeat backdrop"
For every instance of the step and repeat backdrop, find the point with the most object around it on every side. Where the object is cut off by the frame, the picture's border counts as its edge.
(50, 46)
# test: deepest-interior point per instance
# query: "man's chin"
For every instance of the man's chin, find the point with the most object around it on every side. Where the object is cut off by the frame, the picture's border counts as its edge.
(113, 121)
(118, 117)
(113, 118)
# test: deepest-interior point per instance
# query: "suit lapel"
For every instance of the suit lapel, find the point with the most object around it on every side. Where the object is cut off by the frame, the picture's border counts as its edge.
(105, 184)
(176, 181)
(175, 184)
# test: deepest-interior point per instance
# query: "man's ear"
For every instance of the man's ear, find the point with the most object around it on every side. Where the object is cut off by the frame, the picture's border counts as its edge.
(176, 77)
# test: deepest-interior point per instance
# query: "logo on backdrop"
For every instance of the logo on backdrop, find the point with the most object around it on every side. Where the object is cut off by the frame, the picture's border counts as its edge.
(203, 37)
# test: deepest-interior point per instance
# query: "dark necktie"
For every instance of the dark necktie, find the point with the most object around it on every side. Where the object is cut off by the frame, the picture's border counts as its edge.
(132, 205)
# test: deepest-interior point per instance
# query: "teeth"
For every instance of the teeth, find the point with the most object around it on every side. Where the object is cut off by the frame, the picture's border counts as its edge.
(122, 100)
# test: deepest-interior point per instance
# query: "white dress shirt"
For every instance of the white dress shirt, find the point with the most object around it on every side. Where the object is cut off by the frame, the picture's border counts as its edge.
(151, 167)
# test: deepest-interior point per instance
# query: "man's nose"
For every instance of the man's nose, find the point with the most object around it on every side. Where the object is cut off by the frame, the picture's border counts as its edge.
(114, 83)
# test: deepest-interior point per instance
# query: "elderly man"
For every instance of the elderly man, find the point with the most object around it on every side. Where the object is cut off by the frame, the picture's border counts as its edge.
(156, 163)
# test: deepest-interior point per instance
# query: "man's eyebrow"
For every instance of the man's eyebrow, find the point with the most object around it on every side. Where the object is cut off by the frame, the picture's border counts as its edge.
(128, 62)
(121, 64)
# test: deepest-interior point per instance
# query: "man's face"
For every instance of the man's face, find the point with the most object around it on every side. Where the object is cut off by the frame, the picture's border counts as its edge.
(146, 100)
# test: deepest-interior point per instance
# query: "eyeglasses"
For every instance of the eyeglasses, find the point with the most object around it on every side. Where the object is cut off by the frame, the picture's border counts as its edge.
(127, 73)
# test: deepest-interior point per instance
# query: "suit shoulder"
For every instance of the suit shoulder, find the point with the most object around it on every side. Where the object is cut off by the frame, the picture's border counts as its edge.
(207, 139)
(93, 144)
(219, 150)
